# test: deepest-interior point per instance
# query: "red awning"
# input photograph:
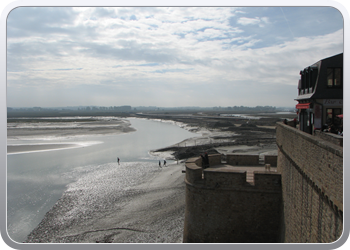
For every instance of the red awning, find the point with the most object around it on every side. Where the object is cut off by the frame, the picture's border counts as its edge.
(302, 106)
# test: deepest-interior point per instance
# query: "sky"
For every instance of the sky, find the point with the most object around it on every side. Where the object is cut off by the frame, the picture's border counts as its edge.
(165, 56)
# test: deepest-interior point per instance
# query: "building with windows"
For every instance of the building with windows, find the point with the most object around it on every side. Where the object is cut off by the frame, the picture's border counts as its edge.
(320, 94)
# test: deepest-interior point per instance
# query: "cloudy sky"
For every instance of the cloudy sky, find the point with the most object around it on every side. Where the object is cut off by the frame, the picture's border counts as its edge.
(162, 56)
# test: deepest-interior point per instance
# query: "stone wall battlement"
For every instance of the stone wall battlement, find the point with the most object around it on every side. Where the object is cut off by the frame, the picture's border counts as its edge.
(224, 205)
(229, 177)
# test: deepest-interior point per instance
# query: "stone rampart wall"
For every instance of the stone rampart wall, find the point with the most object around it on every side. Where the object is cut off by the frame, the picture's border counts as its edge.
(221, 207)
(336, 139)
(215, 159)
(242, 160)
(312, 186)
(267, 181)
(214, 179)
(194, 170)
(271, 159)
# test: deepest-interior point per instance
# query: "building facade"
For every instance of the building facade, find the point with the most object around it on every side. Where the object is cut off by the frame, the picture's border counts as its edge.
(320, 94)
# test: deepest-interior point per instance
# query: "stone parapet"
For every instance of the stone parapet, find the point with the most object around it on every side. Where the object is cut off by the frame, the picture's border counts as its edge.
(320, 160)
(312, 186)
(271, 159)
(193, 170)
(214, 159)
(242, 160)
(267, 180)
(215, 179)
(334, 138)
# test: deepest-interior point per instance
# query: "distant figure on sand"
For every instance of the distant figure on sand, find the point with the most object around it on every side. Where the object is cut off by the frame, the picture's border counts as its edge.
(118, 160)
(160, 164)
(164, 162)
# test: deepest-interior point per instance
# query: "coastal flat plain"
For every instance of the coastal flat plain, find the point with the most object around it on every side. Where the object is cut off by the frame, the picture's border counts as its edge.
(109, 204)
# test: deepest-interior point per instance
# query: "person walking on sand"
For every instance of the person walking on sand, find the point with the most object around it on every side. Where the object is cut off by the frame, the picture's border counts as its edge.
(118, 161)
(164, 163)
(160, 164)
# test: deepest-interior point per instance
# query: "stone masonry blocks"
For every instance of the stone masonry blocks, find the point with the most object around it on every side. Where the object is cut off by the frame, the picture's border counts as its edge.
(243, 160)
(312, 181)
(224, 208)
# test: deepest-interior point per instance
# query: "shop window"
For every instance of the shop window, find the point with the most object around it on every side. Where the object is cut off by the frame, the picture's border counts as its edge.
(332, 118)
(334, 78)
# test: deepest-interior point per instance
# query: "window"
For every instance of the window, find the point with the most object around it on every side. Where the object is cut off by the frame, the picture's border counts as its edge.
(332, 117)
(314, 74)
(334, 78)
(308, 80)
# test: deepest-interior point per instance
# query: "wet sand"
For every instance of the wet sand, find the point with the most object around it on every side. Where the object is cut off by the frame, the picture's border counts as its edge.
(97, 209)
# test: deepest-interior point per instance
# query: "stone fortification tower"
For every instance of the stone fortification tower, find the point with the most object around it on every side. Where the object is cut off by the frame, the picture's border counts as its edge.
(238, 201)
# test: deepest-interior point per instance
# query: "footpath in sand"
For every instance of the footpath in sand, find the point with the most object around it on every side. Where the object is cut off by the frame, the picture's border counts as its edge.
(105, 207)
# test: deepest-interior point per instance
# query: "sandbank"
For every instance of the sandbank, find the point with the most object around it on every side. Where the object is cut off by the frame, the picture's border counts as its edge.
(17, 149)
(55, 130)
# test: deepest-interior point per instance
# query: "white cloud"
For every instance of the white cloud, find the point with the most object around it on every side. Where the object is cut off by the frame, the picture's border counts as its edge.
(253, 21)
(248, 21)
(181, 50)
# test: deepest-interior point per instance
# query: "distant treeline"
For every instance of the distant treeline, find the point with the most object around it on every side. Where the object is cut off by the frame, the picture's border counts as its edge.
(128, 110)
(85, 108)
(74, 111)
(244, 108)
